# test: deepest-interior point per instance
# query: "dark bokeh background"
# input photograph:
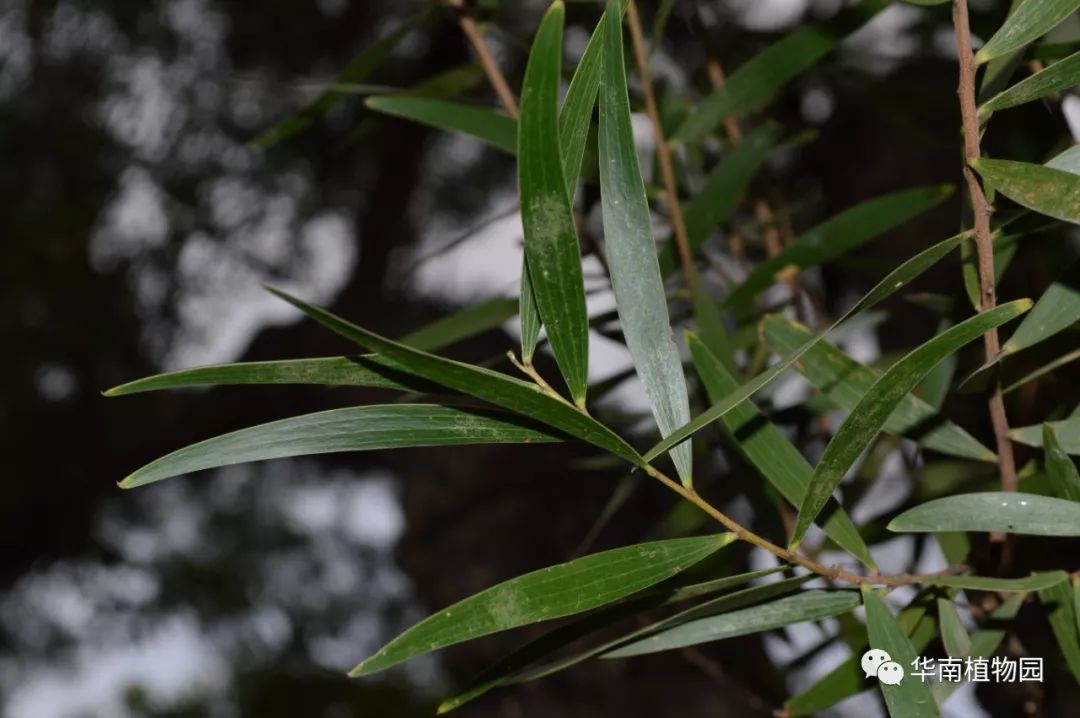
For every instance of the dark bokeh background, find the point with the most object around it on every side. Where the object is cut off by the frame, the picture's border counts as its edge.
(136, 228)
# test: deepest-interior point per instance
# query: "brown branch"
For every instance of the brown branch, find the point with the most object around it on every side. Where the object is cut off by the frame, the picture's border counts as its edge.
(983, 238)
(663, 151)
(487, 60)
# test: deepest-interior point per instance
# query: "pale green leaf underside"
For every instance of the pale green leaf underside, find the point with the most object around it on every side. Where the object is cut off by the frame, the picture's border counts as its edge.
(954, 636)
(1067, 432)
(1034, 582)
(880, 401)
(770, 451)
(635, 271)
(1032, 20)
(912, 697)
(846, 381)
(1008, 512)
(359, 428)
(892, 283)
(1060, 604)
(553, 592)
(1056, 310)
(799, 608)
(1060, 469)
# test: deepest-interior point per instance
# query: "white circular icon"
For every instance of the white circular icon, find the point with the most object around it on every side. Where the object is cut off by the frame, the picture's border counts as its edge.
(890, 673)
(872, 660)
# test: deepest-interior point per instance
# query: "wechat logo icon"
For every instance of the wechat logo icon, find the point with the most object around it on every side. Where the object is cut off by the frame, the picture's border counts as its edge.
(877, 662)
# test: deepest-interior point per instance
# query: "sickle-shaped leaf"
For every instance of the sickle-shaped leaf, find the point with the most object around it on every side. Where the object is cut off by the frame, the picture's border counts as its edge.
(1056, 310)
(840, 234)
(1004, 511)
(358, 428)
(551, 241)
(911, 698)
(1049, 191)
(770, 451)
(482, 123)
(799, 608)
(953, 634)
(1059, 76)
(490, 386)
(553, 592)
(754, 84)
(846, 381)
(871, 413)
(517, 667)
(1060, 469)
(635, 270)
(368, 370)
(893, 282)
(1067, 432)
(1032, 20)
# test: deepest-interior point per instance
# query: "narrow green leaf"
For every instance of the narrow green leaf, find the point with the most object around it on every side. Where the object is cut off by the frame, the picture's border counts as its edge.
(551, 241)
(770, 451)
(1005, 511)
(553, 592)
(1034, 582)
(869, 416)
(515, 668)
(1059, 76)
(1060, 604)
(846, 382)
(635, 271)
(1056, 310)
(529, 315)
(893, 282)
(799, 608)
(1005, 249)
(935, 387)
(1068, 161)
(1060, 469)
(361, 66)
(491, 386)
(482, 123)
(368, 370)
(1049, 191)
(754, 84)
(1032, 20)
(358, 428)
(848, 678)
(332, 371)
(953, 634)
(1067, 432)
(840, 234)
(710, 323)
(1057, 363)
(984, 640)
(911, 697)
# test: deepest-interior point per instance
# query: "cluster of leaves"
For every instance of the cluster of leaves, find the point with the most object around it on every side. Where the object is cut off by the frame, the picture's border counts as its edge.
(479, 405)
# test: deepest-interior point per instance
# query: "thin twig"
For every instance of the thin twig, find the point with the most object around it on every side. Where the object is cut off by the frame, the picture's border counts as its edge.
(983, 239)
(663, 152)
(487, 60)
